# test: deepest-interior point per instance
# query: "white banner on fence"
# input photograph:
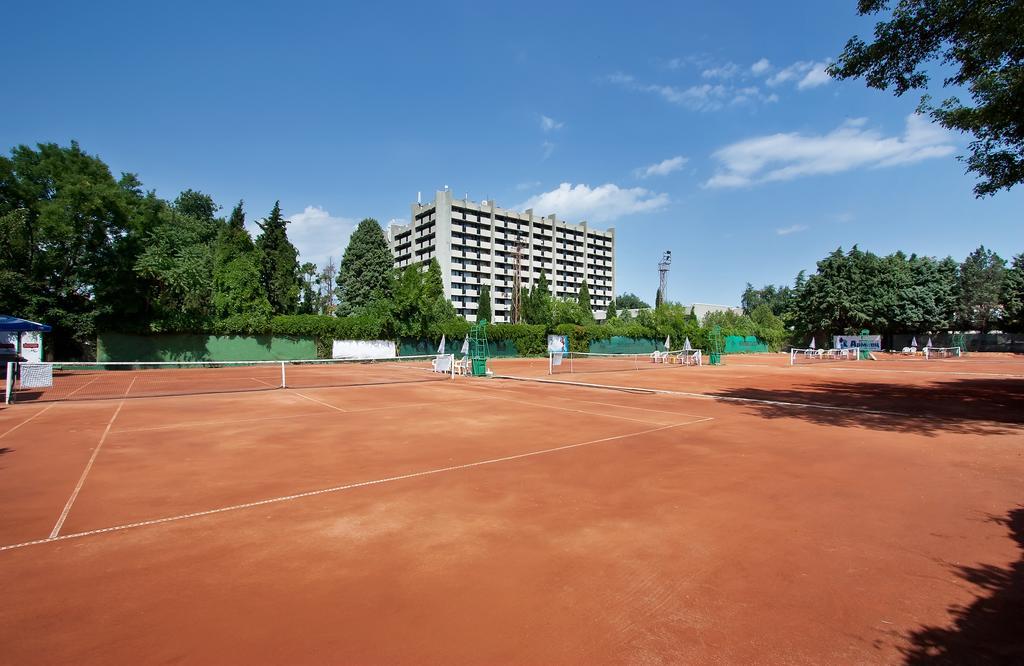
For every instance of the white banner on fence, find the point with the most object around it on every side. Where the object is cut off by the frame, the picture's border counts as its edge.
(364, 349)
(873, 342)
(558, 343)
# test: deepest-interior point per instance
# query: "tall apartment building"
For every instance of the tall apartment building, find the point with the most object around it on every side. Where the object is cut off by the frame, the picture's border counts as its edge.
(475, 244)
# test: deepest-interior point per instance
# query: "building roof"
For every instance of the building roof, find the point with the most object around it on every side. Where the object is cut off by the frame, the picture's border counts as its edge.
(16, 325)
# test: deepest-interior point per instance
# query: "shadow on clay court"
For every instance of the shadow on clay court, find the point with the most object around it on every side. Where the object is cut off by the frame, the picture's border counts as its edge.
(962, 406)
(991, 629)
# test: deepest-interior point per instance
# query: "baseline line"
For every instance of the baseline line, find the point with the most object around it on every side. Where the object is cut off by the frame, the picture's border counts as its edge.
(85, 473)
(348, 486)
(10, 430)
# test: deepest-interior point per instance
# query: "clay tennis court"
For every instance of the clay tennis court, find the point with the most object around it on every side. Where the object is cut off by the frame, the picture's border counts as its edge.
(752, 512)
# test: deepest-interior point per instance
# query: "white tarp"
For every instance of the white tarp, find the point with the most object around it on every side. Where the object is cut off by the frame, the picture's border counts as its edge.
(873, 342)
(364, 349)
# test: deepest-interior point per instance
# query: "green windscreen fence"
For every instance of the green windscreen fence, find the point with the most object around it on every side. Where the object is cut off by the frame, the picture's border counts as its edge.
(622, 345)
(420, 346)
(738, 344)
(187, 347)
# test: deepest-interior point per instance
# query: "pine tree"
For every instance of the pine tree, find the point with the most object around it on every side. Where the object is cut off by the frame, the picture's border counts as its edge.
(612, 313)
(279, 263)
(238, 296)
(310, 302)
(1013, 295)
(367, 268)
(981, 285)
(584, 300)
(540, 302)
(658, 300)
(483, 310)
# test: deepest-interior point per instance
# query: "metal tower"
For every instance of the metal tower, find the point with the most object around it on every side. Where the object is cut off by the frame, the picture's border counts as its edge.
(666, 261)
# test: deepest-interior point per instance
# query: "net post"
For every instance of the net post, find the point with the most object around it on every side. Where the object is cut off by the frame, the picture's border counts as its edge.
(284, 381)
(551, 361)
(9, 383)
(792, 355)
(451, 366)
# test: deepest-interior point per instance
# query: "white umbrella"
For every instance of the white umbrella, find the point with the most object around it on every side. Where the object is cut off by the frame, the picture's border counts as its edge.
(913, 341)
(929, 342)
(465, 346)
(813, 345)
(686, 345)
(667, 343)
(440, 348)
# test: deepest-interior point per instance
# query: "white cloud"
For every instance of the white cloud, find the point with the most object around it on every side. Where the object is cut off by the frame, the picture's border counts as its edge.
(662, 168)
(529, 185)
(549, 124)
(807, 74)
(779, 157)
(318, 235)
(698, 97)
(548, 149)
(603, 203)
(760, 67)
(726, 71)
(785, 231)
(752, 94)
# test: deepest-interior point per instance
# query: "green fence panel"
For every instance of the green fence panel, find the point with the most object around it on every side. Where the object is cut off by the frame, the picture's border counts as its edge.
(618, 344)
(738, 344)
(196, 347)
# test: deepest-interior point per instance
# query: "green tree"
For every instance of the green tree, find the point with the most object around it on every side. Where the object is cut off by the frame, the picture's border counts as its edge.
(659, 300)
(569, 311)
(775, 297)
(980, 44)
(309, 303)
(239, 300)
(540, 302)
(630, 301)
(1013, 295)
(76, 245)
(981, 286)
(583, 297)
(612, 312)
(437, 310)
(365, 273)
(279, 263)
(483, 310)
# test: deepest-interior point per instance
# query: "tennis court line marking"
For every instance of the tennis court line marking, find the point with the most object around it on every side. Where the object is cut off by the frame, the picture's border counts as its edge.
(85, 473)
(606, 404)
(321, 402)
(85, 384)
(349, 486)
(941, 373)
(316, 413)
(10, 430)
(726, 398)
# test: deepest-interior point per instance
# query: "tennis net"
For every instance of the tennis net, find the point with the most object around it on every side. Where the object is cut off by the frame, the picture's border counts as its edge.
(92, 381)
(577, 362)
(811, 356)
(932, 353)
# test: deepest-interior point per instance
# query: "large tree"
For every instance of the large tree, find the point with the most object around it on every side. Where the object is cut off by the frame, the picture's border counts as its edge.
(540, 302)
(980, 44)
(279, 263)
(981, 288)
(630, 301)
(1013, 295)
(309, 303)
(583, 297)
(238, 297)
(365, 273)
(71, 247)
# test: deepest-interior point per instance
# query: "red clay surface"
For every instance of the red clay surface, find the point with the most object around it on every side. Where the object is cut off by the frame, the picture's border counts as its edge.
(817, 515)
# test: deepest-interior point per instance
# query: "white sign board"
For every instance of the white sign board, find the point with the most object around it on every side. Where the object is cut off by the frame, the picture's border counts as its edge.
(32, 346)
(364, 349)
(870, 342)
(558, 343)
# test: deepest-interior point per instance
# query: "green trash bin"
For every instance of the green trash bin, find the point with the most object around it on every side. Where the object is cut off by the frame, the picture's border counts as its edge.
(479, 367)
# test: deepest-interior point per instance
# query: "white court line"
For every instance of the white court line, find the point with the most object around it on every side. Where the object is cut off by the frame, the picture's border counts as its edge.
(709, 396)
(840, 368)
(325, 404)
(10, 430)
(317, 413)
(84, 385)
(85, 473)
(349, 486)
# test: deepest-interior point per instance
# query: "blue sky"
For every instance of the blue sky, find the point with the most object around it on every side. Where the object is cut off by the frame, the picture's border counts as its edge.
(705, 129)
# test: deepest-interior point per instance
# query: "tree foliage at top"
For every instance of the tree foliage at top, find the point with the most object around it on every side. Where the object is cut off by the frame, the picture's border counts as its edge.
(981, 289)
(777, 298)
(1013, 295)
(483, 310)
(630, 301)
(539, 310)
(238, 296)
(983, 43)
(365, 273)
(279, 263)
(583, 298)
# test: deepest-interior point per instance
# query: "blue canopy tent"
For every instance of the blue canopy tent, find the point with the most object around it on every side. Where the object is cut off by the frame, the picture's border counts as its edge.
(9, 324)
